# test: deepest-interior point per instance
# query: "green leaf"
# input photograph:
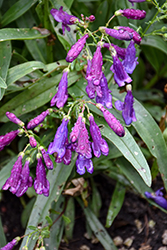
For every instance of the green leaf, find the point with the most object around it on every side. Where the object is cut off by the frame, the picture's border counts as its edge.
(70, 214)
(49, 220)
(18, 9)
(116, 203)
(156, 42)
(96, 202)
(2, 235)
(2, 83)
(151, 134)
(57, 178)
(32, 228)
(98, 229)
(27, 211)
(20, 34)
(23, 69)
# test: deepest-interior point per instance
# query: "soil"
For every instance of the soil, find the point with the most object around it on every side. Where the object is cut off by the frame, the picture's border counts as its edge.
(134, 221)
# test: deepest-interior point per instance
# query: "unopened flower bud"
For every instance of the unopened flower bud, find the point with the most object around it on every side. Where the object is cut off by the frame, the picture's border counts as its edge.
(24, 248)
(37, 120)
(8, 138)
(14, 119)
(47, 160)
(92, 18)
(131, 13)
(74, 20)
(118, 34)
(32, 142)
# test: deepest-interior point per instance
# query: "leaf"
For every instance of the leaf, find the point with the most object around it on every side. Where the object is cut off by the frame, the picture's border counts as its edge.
(26, 212)
(18, 71)
(151, 134)
(2, 83)
(2, 235)
(20, 34)
(98, 229)
(57, 178)
(17, 9)
(156, 42)
(116, 203)
(70, 213)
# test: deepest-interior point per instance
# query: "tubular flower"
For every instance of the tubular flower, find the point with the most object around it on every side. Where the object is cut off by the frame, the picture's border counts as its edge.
(136, 1)
(121, 52)
(106, 98)
(64, 17)
(120, 75)
(157, 197)
(58, 145)
(126, 107)
(8, 138)
(95, 73)
(119, 34)
(11, 244)
(135, 36)
(76, 49)
(98, 145)
(83, 146)
(14, 180)
(114, 124)
(82, 163)
(62, 95)
(131, 13)
(76, 129)
(14, 119)
(37, 120)
(67, 156)
(130, 60)
(47, 160)
(41, 184)
(26, 179)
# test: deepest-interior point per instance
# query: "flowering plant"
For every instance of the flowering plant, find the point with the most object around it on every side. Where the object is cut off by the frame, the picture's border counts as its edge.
(91, 122)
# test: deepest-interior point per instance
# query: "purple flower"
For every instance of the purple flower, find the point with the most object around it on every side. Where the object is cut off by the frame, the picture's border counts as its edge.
(135, 36)
(37, 120)
(62, 95)
(106, 98)
(121, 52)
(135, 1)
(76, 49)
(126, 107)
(47, 160)
(14, 180)
(58, 145)
(114, 124)
(83, 146)
(119, 34)
(26, 179)
(130, 60)
(98, 145)
(66, 159)
(14, 119)
(95, 73)
(157, 197)
(11, 244)
(64, 17)
(83, 162)
(8, 138)
(131, 13)
(32, 142)
(76, 129)
(120, 75)
(41, 184)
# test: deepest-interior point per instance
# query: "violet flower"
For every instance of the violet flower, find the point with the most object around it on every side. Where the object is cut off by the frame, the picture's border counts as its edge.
(158, 198)
(130, 60)
(58, 145)
(135, 1)
(76, 49)
(135, 36)
(14, 180)
(120, 75)
(82, 163)
(121, 52)
(119, 34)
(47, 160)
(114, 124)
(14, 119)
(32, 142)
(62, 95)
(8, 138)
(66, 159)
(106, 98)
(83, 146)
(64, 17)
(98, 145)
(37, 120)
(126, 107)
(95, 73)
(131, 13)
(41, 184)
(11, 244)
(76, 129)
(26, 179)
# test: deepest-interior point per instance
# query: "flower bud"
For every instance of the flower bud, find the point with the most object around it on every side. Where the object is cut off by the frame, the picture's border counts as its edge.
(92, 18)
(8, 138)
(37, 120)
(47, 160)
(32, 142)
(118, 34)
(131, 13)
(14, 119)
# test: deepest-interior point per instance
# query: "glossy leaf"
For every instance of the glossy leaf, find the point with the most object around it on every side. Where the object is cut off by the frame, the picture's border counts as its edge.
(70, 213)
(16, 10)
(116, 203)
(156, 42)
(20, 34)
(2, 83)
